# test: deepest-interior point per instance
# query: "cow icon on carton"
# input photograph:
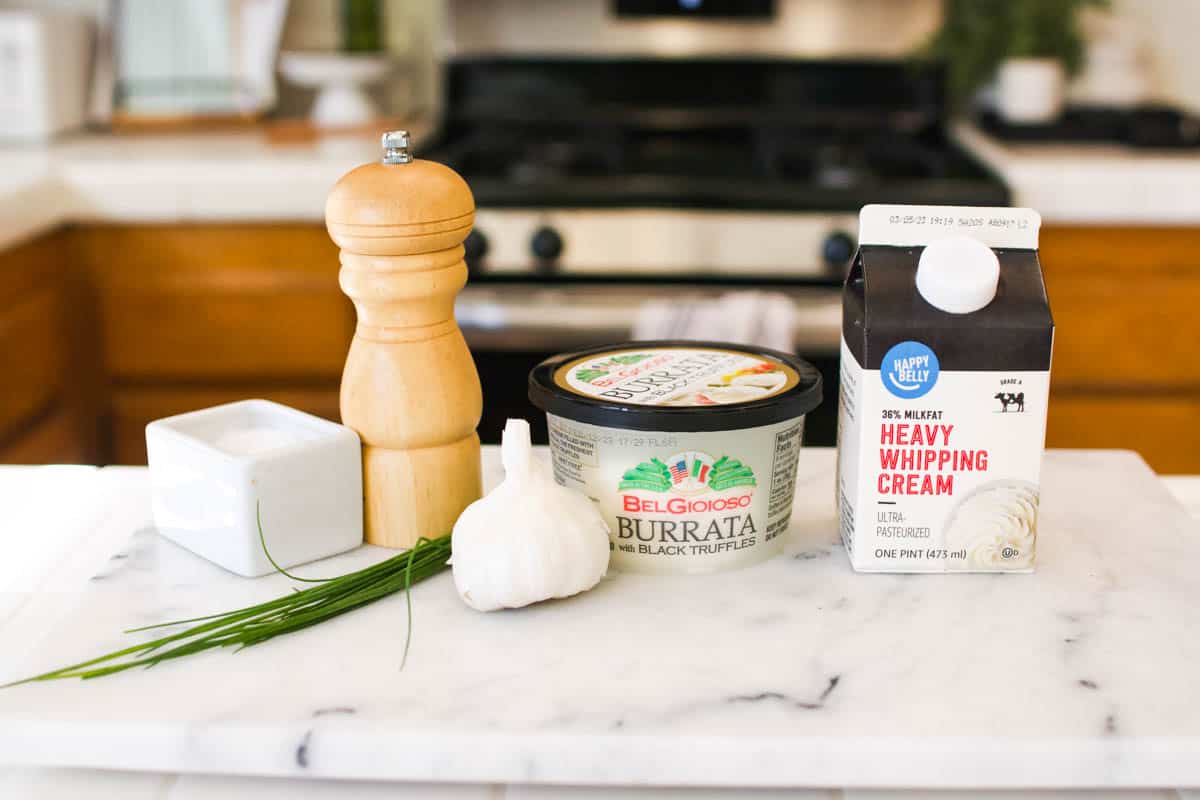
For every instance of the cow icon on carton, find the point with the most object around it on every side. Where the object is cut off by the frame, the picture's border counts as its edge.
(1009, 398)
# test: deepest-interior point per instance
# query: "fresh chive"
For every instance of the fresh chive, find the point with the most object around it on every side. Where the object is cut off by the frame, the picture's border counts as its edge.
(246, 627)
(263, 539)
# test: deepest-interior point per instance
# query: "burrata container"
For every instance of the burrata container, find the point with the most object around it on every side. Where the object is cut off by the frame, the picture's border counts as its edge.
(688, 448)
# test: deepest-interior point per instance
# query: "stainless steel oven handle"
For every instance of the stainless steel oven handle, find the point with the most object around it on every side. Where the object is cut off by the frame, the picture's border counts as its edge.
(516, 317)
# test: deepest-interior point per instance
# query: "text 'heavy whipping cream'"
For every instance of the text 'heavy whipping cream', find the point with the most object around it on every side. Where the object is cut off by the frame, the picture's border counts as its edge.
(689, 449)
(945, 376)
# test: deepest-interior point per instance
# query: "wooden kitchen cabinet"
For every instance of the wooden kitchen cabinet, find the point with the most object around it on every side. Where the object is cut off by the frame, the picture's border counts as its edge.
(192, 316)
(1126, 303)
(33, 343)
(105, 328)
(217, 302)
(1164, 429)
(1126, 372)
(48, 390)
(166, 319)
(60, 436)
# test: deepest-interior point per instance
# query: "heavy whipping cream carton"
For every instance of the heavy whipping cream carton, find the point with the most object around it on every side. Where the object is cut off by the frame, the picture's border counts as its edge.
(945, 376)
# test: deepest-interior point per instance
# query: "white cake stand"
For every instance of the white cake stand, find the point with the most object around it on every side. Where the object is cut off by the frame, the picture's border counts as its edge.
(341, 80)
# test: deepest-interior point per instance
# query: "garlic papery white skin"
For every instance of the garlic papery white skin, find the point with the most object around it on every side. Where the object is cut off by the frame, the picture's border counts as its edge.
(529, 539)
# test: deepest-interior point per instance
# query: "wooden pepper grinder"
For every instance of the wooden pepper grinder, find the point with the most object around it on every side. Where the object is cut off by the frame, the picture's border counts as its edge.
(410, 387)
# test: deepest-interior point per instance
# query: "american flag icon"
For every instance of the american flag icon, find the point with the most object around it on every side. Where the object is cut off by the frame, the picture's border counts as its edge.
(678, 471)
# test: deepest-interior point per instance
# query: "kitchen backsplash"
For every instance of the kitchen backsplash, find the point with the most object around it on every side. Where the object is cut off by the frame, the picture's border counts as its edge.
(419, 30)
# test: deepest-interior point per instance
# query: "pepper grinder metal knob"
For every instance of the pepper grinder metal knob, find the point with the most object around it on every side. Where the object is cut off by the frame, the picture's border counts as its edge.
(395, 148)
(409, 387)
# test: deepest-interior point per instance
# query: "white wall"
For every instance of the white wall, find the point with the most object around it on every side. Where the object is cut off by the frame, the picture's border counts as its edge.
(1170, 29)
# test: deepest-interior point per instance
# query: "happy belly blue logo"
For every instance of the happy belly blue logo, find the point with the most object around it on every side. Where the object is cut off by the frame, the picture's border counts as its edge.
(909, 369)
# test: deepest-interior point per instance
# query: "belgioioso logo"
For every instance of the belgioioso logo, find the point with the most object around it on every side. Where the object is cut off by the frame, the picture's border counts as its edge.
(681, 478)
(909, 370)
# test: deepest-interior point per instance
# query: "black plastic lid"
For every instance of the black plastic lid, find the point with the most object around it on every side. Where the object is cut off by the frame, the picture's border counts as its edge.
(670, 386)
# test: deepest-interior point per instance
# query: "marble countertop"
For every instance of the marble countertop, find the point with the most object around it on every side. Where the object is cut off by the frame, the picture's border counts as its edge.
(794, 672)
(244, 177)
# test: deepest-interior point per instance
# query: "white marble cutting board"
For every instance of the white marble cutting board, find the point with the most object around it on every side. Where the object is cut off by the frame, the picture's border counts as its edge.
(794, 672)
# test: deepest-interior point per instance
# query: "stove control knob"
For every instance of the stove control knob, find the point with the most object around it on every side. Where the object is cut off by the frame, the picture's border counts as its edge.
(546, 244)
(476, 247)
(837, 250)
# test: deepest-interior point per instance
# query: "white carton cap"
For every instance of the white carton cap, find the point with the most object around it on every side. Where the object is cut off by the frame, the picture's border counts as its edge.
(958, 274)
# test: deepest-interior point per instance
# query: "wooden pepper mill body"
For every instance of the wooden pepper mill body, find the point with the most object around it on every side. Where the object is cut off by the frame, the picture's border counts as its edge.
(410, 388)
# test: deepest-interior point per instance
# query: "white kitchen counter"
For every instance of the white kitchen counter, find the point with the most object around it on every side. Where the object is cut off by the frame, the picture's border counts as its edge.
(1094, 184)
(244, 177)
(1087, 602)
(211, 177)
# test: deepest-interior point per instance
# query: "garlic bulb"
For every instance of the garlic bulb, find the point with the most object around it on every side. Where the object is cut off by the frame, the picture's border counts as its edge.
(529, 539)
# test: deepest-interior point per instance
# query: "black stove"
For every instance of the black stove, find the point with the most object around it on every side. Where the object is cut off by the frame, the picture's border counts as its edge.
(606, 186)
(704, 133)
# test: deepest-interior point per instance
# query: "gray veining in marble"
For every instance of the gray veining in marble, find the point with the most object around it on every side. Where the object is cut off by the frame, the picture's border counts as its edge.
(793, 672)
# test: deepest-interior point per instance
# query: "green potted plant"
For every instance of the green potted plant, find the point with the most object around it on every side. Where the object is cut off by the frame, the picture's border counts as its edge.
(1030, 48)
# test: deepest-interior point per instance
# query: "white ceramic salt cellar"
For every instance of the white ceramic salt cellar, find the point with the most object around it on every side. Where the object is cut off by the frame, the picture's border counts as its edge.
(212, 470)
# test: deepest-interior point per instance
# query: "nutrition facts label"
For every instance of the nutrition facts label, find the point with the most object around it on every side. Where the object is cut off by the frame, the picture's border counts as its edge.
(783, 469)
(847, 518)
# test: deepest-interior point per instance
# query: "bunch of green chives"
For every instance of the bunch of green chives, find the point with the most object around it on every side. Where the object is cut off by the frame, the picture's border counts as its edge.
(296, 611)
